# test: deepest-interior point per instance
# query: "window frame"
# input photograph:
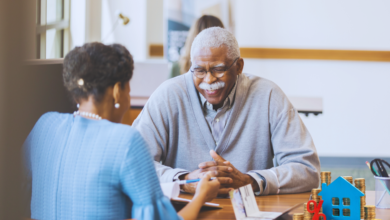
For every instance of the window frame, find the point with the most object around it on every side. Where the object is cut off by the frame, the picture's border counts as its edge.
(62, 40)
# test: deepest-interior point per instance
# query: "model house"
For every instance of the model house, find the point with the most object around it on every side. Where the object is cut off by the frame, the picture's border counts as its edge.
(341, 197)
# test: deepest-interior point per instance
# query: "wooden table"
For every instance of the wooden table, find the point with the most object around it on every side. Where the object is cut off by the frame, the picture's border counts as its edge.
(275, 203)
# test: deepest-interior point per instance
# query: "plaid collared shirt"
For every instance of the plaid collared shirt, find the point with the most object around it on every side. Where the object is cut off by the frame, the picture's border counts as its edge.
(217, 119)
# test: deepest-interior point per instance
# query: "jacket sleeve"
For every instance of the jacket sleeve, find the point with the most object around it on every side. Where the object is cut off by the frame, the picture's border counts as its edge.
(298, 165)
(144, 190)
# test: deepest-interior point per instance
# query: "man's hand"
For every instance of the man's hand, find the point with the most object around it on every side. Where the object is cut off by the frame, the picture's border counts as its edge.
(199, 173)
(224, 168)
(190, 188)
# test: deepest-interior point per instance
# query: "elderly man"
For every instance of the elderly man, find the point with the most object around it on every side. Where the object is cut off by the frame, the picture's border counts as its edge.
(214, 118)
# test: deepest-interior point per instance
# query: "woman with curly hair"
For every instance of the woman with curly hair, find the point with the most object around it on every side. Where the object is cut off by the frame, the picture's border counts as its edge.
(87, 165)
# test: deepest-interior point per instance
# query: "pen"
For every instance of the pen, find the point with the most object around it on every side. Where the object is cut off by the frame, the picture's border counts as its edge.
(182, 182)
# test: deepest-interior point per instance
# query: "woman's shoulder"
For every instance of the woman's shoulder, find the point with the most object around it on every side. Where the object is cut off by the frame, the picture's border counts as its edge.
(55, 115)
(48, 123)
(123, 132)
(52, 117)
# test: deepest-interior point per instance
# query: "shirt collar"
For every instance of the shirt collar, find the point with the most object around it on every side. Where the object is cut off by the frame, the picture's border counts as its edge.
(229, 101)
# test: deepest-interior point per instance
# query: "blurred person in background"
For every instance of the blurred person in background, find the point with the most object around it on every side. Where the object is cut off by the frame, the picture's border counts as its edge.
(184, 63)
(87, 165)
(215, 118)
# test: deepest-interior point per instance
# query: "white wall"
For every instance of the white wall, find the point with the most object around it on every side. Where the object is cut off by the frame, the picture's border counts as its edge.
(155, 22)
(356, 99)
(356, 95)
(94, 20)
(331, 24)
(77, 22)
(133, 35)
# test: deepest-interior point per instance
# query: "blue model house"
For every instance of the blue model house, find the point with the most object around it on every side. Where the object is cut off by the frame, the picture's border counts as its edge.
(340, 198)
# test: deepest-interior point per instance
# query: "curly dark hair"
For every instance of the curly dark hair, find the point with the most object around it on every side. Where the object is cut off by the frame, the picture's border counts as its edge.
(92, 68)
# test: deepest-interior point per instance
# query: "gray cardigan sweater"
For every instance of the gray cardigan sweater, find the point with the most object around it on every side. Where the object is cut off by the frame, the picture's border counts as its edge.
(263, 124)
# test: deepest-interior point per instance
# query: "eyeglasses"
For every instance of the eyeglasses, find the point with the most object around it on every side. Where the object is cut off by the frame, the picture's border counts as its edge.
(216, 71)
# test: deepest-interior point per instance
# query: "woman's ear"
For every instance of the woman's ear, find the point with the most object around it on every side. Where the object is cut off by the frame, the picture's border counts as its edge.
(116, 92)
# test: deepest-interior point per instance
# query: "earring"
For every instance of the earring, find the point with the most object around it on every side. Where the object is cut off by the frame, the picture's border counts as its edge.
(117, 105)
(78, 105)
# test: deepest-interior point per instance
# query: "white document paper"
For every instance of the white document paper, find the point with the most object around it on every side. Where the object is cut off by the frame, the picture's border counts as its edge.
(208, 204)
(245, 205)
(172, 191)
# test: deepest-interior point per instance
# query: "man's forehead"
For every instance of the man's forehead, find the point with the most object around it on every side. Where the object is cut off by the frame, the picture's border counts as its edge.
(201, 63)
(210, 52)
(211, 56)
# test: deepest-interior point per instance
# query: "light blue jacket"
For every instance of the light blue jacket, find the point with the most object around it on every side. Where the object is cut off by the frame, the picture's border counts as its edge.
(88, 169)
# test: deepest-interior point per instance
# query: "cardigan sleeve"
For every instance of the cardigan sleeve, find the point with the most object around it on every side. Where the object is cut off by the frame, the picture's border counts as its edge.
(153, 125)
(298, 165)
(139, 181)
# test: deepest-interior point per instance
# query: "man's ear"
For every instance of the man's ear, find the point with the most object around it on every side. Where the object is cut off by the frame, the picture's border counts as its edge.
(240, 66)
(116, 92)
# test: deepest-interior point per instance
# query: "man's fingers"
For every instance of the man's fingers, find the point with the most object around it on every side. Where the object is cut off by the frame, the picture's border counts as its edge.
(225, 180)
(224, 191)
(211, 164)
(207, 175)
(215, 173)
(211, 173)
(218, 168)
(216, 157)
(222, 179)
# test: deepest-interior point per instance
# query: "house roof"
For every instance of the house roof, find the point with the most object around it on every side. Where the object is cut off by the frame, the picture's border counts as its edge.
(340, 186)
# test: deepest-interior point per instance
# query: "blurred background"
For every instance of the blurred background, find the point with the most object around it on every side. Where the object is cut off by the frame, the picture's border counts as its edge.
(331, 58)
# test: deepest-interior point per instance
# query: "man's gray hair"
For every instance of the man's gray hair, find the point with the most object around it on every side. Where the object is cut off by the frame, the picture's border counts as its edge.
(216, 37)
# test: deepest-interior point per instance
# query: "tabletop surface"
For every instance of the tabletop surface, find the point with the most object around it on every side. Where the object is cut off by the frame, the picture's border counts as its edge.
(274, 203)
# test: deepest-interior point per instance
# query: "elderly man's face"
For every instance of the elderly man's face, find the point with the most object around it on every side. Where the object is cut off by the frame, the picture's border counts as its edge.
(208, 59)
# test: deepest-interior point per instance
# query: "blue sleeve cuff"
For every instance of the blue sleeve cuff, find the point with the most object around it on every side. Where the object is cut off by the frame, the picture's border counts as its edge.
(260, 181)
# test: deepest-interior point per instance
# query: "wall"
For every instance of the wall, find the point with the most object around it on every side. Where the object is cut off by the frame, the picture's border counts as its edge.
(332, 24)
(97, 20)
(145, 27)
(78, 22)
(94, 20)
(155, 22)
(133, 35)
(16, 34)
(355, 120)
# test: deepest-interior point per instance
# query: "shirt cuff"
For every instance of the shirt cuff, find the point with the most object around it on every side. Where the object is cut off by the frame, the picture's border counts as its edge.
(176, 177)
(260, 181)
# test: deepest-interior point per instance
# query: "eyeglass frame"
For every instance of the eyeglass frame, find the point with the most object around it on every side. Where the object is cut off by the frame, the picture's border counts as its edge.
(211, 70)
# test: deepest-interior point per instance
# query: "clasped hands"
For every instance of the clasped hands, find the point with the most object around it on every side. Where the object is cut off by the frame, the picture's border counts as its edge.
(229, 177)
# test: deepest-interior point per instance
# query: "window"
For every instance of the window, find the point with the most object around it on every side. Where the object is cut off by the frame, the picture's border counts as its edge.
(52, 28)
(346, 202)
(335, 201)
(346, 212)
(336, 212)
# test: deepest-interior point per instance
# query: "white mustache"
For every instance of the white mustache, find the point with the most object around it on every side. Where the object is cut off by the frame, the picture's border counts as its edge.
(214, 86)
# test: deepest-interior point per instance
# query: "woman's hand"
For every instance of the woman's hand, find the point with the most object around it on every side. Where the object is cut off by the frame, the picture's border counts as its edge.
(207, 189)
